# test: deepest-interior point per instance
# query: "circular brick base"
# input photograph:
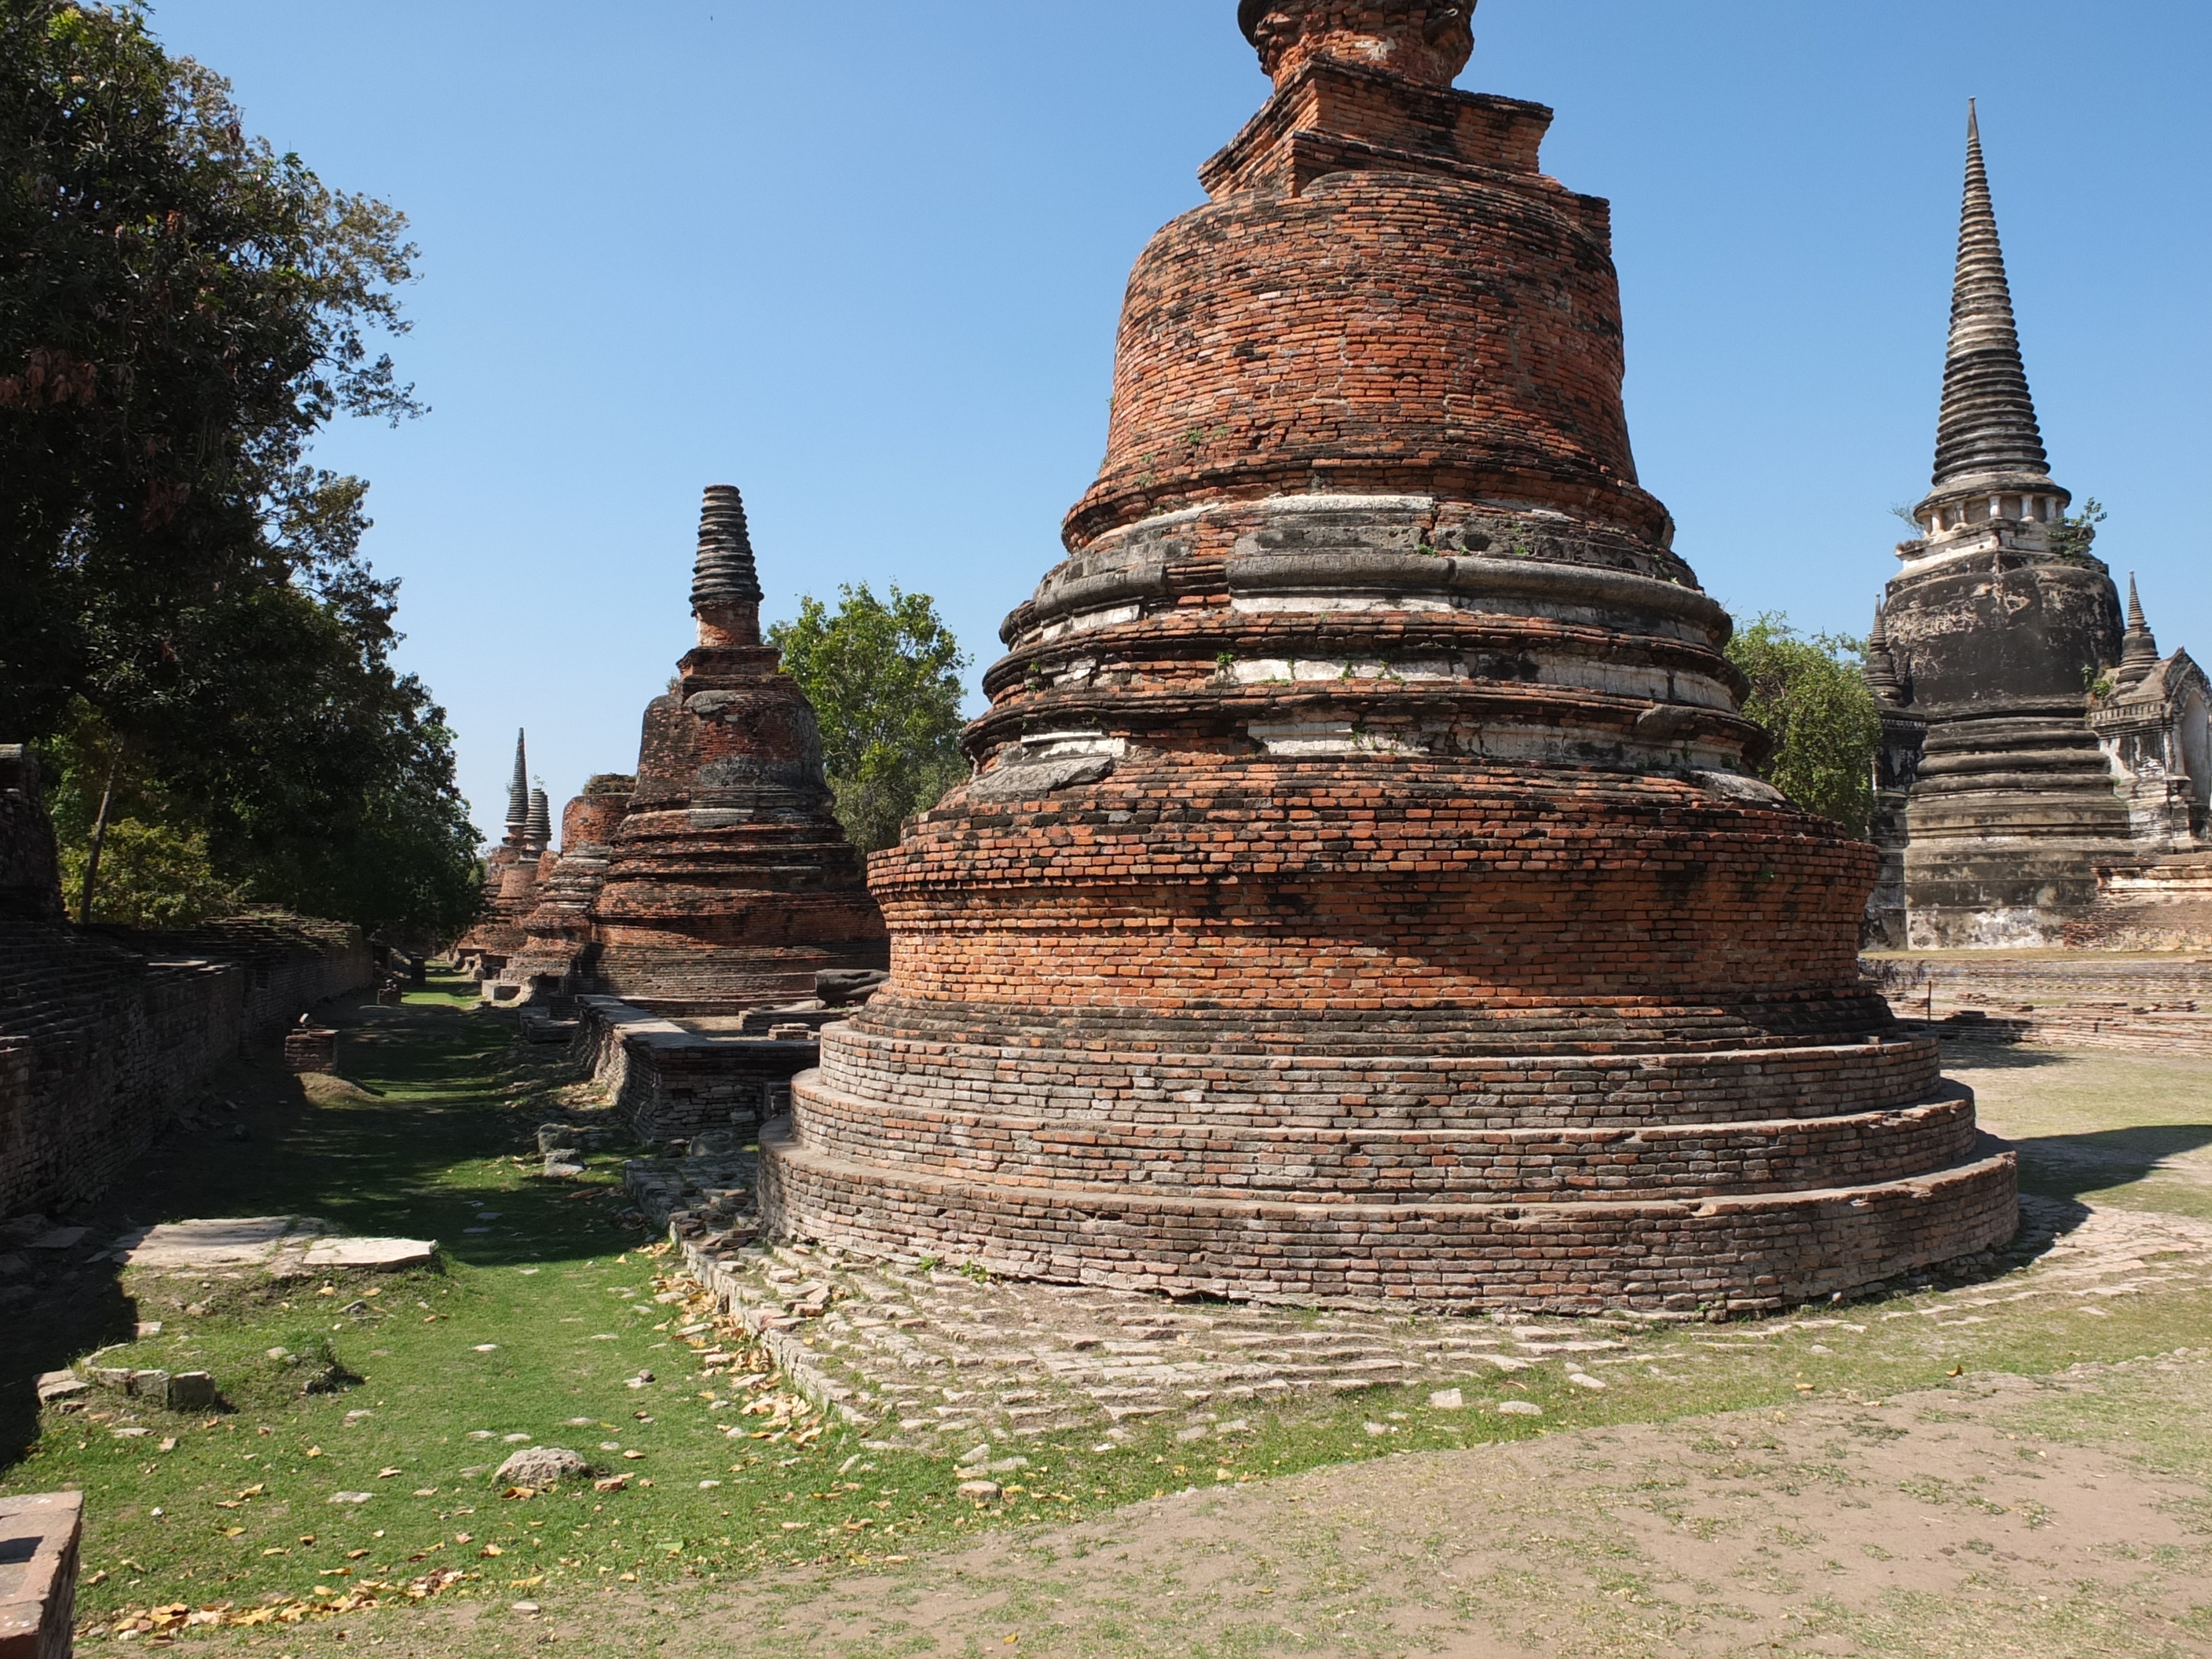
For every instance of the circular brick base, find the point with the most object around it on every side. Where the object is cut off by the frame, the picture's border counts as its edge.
(1742, 1253)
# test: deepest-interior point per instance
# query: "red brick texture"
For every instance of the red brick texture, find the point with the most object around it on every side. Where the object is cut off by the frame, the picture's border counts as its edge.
(1362, 894)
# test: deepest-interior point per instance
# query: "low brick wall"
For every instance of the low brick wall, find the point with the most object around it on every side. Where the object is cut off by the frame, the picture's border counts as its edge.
(39, 1538)
(2158, 1005)
(670, 1082)
(105, 1034)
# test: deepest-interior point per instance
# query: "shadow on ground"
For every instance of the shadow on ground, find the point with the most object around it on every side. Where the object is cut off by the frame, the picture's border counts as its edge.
(375, 1159)
(1981, 1054)
(2069, 1165)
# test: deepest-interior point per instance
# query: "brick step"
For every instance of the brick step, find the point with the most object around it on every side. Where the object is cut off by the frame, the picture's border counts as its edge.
(1742, 1254)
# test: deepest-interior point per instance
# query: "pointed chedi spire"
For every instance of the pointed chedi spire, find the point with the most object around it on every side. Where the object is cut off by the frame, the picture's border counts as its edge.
(1880, 666)
(1987, 422)
(2139, 647)
(726, 590)
(518, 792)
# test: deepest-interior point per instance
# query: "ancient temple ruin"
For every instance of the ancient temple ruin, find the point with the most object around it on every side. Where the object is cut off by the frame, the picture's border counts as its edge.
(558, 957)
(511, 876)
(2043, 773)
(1364, 893)
(729, 884)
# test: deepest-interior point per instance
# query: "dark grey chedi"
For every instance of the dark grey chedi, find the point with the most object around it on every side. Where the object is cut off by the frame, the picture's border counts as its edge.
(2030, 734)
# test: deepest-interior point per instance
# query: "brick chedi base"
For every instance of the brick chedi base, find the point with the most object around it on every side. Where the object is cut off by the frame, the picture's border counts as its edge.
(731, 883)
(1363, 894)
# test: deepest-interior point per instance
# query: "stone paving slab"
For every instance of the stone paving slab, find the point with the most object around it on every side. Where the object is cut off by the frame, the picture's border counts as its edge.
(243, 1241)
(287, 1246)
(925, 1355)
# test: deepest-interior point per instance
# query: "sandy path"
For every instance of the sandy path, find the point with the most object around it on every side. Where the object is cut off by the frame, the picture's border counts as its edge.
(2063, 1517)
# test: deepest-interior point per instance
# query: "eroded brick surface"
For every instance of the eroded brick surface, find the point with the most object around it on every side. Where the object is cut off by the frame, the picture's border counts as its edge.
(1364, 895)
(936, 1354)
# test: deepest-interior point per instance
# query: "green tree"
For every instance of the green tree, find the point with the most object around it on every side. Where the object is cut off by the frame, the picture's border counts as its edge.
(2077, 533)
(181, 310)
(1810, 692)
(884, 676)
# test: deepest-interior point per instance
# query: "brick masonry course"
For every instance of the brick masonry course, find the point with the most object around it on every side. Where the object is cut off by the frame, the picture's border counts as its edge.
(929, 1354)
(105, 1034)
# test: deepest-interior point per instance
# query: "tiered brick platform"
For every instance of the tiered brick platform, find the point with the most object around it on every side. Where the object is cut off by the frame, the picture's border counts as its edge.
(1364, 894)
(2152, 1005)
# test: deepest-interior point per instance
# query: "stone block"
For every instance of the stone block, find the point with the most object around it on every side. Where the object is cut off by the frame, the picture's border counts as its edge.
(190, 1391)
(40, 1535)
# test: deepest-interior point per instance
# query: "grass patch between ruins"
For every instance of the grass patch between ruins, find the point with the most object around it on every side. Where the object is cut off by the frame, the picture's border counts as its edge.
(543, 1312)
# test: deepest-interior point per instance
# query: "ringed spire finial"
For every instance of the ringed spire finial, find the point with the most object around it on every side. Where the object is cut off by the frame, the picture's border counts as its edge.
(518, 789)
(726, 590)
(1987, 432)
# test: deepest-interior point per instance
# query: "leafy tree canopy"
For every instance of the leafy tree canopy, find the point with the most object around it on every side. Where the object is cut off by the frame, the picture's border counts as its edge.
(884, 676)
(1810, 692)
(181, 310)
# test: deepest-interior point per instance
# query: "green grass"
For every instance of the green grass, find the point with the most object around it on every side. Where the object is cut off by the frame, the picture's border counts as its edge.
(541, 1319)
(2132, 1133)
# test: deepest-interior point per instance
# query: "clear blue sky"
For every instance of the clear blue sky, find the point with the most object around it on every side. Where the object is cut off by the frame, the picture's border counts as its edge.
(863, 259)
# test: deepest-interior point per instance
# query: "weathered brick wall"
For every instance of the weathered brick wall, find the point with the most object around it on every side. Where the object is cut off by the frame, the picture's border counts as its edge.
(104, 1034)
(671, 1083)
(290, 963)
(1739, 1254)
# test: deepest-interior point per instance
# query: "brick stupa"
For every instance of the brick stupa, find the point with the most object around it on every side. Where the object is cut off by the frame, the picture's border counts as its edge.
(2042, 764)
(557, 956)
(731, 883)
(511, 873)
(1364, 896)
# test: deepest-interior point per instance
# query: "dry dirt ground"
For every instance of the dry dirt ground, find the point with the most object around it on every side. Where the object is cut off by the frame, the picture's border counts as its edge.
(2069, 1516)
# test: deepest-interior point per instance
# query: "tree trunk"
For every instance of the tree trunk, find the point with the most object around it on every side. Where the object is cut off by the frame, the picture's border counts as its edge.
(99, 835)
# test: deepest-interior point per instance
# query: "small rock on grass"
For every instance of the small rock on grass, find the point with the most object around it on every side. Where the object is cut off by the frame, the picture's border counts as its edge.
(1447, 1400)
(981, 1491)
(1520, 1408)
(541, 1466)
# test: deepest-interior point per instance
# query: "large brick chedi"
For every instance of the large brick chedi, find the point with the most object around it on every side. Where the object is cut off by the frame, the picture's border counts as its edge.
(730, 882)
(2047, 775)
(1362, 893)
